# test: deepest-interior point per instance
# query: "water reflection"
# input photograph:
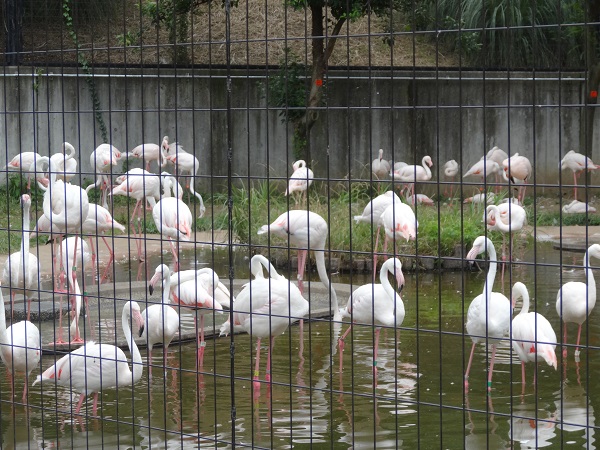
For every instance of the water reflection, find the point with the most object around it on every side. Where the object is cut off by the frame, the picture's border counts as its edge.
(575, 414)
(530, 428)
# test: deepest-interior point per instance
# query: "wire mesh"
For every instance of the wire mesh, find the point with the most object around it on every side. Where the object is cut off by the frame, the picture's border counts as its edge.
(194, 197)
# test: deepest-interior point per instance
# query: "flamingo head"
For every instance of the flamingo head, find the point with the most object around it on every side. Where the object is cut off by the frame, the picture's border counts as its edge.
(407, 230)
(25, 200)
(428, 161)
(477, 249)
(165, 143)
(398, 274)
(136, 316)
(15, 163)
(161, 272)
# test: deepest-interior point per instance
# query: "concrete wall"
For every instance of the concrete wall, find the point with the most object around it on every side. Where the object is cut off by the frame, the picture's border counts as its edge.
(448, 115)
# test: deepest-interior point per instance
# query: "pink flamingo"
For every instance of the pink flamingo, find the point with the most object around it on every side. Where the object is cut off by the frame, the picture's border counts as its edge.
(517, 169)
(174, 221)
(532, 334)
(151, 152)
(188, 164)
(21, 269)
(377, 305)
(484, 168)
(578, 163)
(399, 222)
(64, 163)
(451, 169)
(380, 167)
(25, 163)
(265, 308)
(576, 300)
(489, 314)
(102, 160)
(95, 367)
(409, 175)
(141, 185)
(300, 180)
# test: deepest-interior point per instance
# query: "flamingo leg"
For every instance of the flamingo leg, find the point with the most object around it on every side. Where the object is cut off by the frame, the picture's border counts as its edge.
(578, 341)
(201, 344)
(256, 379)
(375, 254)
(375, 352)
(469, 368)
(25, 390)
(150, 364)
(110, 260)
(491, 368)
(302, 254)
(523, 377)
(79, 403)
(95, 409)
(574, 185)
(12, 306)
(271, 345)
(341, 346)
(28, 308)
(564, 340)
(174, 252)
(94, 258)
(60, 341)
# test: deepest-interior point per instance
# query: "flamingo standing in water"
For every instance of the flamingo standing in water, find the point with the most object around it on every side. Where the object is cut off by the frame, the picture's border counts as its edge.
(20, 347)
(451, 169)
(161, 321)
(517, 169)
(151, 152)
(95, 367)
(409, 175)
(174, 221)
(300, 180)
(102, 160)
(265, 308)
(372, 215)
(578, 163)
(489, 314)
(376, 305)
(21, 269)
(97, 222)
(142, 186)
(24, 162)
(200, 291)
(576, 300)
(380, 167)
(532, 334)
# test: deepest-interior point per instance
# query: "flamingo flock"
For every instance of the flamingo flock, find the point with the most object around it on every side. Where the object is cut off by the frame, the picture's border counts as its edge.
(269, 303)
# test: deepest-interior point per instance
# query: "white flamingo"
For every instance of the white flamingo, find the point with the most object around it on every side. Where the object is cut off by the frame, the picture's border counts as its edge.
(151, 152)
(409, 175)
(489, 314)
(483, 168)
(377, 305)
(577, 207)
(399, 222)
(174, 221)
(20, 347)
(161, 321)
(95, 367)
(300, 180)
(21, 269)
(265, 308)
(578, 163)
(102, 160)
(64, 163)
(451, 169)
(517, 169)
(25, 163)
(576, 300)
(533, 338)
(380, 167)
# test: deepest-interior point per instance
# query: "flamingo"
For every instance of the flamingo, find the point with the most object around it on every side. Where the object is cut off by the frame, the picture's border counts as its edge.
(578, 163)
(20, 347)
(411, 174)
(488, 317)
(102, 159)
(174, 221)
(372, 215)
(173, 148)
(64, 163)
(420, 199)
(576, 300)
(188, 163)
(506, 218)
(21, 269)
(95, 367)
(484, 168)
(300, 180)
(199, 291)
(451, 169)
(170, 186)
(265, 308)
(161, 322)
(97, 222)
(532, 334)
(497, 155)
(83, 259)
(518, 170)
(65, 205)
(399, 221)
(483, 198)
(577, 207)
(141, 185)
(151, 152)
(380, 167)
(377, 305)
(24, 162)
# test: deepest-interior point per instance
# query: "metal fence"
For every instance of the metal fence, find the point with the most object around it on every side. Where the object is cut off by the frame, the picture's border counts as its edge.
(289, 224)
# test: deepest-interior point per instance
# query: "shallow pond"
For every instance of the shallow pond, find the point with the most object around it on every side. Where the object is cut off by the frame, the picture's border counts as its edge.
(418, 399)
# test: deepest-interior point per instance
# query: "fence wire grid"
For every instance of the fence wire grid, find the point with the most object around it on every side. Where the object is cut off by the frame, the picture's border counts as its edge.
(272, 224)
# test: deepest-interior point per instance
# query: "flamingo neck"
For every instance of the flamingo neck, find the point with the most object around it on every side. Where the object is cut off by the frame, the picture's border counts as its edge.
(138, 367)
(3, 333)
(385, 281)
(322, 271)
(491, 276)
(166, 293)
(24, 259)
(426, 167)
(591, 282)
(525, 295)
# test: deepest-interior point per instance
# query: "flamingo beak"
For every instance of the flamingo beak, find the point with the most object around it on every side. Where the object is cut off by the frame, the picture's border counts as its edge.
(473, 253)
(153, 281)
(139, 320)
(400, 279)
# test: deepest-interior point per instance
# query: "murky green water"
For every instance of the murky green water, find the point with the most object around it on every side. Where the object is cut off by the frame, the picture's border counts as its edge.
(418, 400)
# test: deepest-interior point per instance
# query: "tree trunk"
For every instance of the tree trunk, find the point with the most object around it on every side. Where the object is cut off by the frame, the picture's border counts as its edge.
(14, 31)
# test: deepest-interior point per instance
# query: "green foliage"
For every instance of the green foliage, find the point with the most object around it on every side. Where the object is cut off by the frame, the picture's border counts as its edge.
(128, 39)
(520, 33)
(83, 62)
(556, 219)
